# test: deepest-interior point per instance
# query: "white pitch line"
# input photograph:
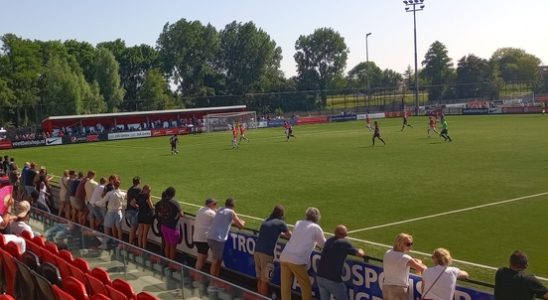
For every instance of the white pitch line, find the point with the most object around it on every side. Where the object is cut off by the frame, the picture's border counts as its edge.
(446, 213)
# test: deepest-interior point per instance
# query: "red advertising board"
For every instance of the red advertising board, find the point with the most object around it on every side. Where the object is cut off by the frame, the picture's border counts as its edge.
(92, 138)
(312, 120)
(169, 131)
(5, 144)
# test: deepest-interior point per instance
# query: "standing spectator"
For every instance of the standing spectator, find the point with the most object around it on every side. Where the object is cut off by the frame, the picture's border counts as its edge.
(75, 204)
(113, 218)
(28, 179)
(269, 232)
(89, 188)
(202, 223)
(218, 233)
(132, 208)
(169, 211)
(439, 281)
(331, 265)
(97, 212)
(145, 217)
(396, 264)
(63, 200)
(80, 196)
(43, 193)
(295, 257)
(513, 283)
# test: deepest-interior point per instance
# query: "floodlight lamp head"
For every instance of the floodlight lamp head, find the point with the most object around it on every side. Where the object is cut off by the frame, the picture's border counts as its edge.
(405, 2)
(368, 34)
(416, 1)
(422, 6)
(407, 8)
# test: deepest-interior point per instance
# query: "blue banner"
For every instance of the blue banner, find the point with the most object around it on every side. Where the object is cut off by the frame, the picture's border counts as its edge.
(279, 122)
(364, 280)
(342, 118)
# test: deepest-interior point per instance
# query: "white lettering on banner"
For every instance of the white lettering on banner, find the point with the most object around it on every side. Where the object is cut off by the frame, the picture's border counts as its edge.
(129, 135)
(243, 243)
(360, 296)
(460, 295)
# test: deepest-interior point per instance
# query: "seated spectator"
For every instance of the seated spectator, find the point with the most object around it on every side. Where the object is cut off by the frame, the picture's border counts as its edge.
(513, 283)
(439, 281)
(22, 212)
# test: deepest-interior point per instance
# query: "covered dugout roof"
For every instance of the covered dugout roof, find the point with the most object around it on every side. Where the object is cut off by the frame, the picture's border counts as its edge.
(137, 116)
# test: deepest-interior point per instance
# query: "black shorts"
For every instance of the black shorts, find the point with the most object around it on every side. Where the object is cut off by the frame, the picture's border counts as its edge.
(443, 131)
(202, 247)
(376, 135)
(145, 218)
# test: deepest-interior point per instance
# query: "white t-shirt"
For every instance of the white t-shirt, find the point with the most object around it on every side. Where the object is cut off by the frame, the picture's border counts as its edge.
(96, 196)
(17, 227)
(444, 288)
(89, 187)
(306, 235)
(396, 271)
(202, 223)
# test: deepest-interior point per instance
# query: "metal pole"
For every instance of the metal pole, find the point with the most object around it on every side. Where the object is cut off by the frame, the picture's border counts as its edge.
(367, 47)
(416, 67)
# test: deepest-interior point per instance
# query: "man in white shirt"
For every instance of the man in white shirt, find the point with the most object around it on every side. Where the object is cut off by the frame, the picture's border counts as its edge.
(97, 212)
(21, 211)
(113, 219)
(202, 223)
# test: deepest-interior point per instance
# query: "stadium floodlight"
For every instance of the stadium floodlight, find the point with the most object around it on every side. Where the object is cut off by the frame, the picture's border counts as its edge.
(412, 7)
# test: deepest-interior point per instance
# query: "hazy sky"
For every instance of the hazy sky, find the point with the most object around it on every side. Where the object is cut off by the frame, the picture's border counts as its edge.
(464, 27)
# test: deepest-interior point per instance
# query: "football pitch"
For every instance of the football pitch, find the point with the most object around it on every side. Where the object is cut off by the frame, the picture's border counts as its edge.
(481, 196)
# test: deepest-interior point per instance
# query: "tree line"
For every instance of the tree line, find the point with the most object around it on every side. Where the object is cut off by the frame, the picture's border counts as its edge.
(196, 65)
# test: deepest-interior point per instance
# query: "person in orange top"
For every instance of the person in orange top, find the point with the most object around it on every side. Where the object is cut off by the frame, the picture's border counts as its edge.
(432, 126)
(242, 133)
(235, 137)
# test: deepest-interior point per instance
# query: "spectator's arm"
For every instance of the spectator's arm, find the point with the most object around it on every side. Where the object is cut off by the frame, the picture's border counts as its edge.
(237, 221)
(360, 252)
(463, 275)
(286, 234)
(545, 296)
(417, 265)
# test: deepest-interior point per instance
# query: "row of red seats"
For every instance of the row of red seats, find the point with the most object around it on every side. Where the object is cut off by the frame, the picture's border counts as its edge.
(74, 279)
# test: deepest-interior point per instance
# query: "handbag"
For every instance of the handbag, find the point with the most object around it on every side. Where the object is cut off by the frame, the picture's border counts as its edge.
(436, 280)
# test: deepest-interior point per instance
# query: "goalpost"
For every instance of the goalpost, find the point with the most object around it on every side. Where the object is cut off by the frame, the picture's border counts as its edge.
(225, 121)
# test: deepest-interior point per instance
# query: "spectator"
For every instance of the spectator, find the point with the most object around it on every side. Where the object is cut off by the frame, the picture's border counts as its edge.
(63, 198)
(218, 233)
(28, 179)
(145, 217)
(5, 217)
(269, 232)
(295, 257)
(439, 281)
(44, 193)
(202, 223)
(89, 188)
(513, 283)
(81, 197)
(22, 212)
(75, 204)
(331, 265)
(113, 218)
(132, 208)
(97, 212)
(169, 211)
(396, 264)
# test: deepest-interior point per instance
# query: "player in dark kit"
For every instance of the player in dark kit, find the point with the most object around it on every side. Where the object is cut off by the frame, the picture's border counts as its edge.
(405, 121)
(173, 141)
(288, 130)
(377, 134)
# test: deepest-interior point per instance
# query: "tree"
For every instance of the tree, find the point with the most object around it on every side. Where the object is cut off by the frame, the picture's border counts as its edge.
(250, 59)
(154, 93)
(320, 58)
(437, 70)
(85, 55)
(473, 77)
(390, 78)
(516, 65)
(108, 79)
(187, 53)
(365, 75)
(21, 70)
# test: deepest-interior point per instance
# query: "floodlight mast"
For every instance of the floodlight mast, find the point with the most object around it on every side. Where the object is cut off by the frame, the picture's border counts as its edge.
(411, 6)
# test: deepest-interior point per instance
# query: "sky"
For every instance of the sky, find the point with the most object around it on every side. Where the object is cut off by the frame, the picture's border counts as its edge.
(465, 27)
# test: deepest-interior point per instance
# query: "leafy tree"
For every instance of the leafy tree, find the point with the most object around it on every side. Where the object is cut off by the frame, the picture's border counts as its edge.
(155, 93)
(21, 70)
(7, 102)
(390, 78)
(187, 52)
(250, 59)
(61, 92)
(473, 77)
(516, 65)
(84, 54)
(108, 78)
(365, 75)
(438, 70)
(320, 57)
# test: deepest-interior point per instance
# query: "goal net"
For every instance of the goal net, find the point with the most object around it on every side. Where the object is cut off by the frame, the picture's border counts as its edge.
(225, 121)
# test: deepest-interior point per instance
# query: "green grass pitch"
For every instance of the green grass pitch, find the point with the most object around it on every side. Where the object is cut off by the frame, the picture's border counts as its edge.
(333, 167)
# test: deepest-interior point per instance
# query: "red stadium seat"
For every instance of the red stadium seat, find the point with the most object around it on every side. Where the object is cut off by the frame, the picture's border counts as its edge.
(10, 270)
(75, 288)
(39, 240)
(99, 297)
(146, 296)
(63, 266)
(101, 275)
(115, 294)
(60, 294)
(77, 273)
(47, 256)
(66, 255)
(81, 264)
(51, 247)
(2, 241)
(124, 287)
(26, 235)
(96, 286)
(14, 250)
(32, 246)
(6, 297)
